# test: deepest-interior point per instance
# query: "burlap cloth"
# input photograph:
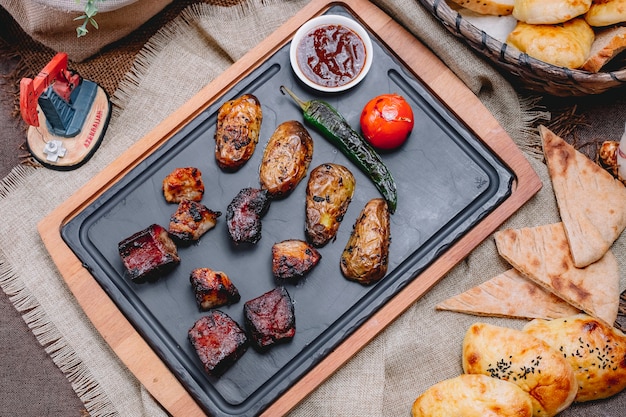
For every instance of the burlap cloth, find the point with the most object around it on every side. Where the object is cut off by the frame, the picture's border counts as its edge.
(420, 348)
(52, 22)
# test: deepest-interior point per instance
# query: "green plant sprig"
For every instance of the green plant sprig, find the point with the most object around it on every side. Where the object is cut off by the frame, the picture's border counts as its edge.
(91, 9)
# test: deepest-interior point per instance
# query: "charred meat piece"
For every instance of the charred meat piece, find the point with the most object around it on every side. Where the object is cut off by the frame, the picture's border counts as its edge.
(212, 288)
(366, 255)
(218, 341)
(293, 258)
(328, 194)
(183, 183)
(191, 220)
(270, 318)
(237, 131)
(286, 159)
(243, 215)
(148, 252)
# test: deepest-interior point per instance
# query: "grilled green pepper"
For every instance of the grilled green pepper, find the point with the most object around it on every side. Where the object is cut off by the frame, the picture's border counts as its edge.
(334, 127)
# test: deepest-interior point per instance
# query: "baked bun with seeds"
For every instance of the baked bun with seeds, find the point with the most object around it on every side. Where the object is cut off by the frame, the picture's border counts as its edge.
(521, 358)
(596, 352)
(473, 395)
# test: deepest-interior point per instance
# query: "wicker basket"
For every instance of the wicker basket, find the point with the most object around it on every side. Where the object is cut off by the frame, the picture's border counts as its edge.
(521, 69)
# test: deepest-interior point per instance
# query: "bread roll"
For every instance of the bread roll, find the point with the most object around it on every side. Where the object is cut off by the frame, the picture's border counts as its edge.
(596, 352)
(606, 12)
(488, 7)
(608, 43)
(519, 357)
(549, 12)
(473, 396)
(565, 45)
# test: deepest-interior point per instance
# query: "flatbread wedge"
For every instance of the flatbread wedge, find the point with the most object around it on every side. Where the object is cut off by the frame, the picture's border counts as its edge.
(592, 203)
(542, 254)
(512, 295)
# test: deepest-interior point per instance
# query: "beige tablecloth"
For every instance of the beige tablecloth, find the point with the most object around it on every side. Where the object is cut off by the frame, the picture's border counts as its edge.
(420, 348)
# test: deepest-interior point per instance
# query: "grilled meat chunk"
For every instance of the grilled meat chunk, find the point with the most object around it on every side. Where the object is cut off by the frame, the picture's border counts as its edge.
(366, 255)
(218, 341)
(237, 131)
(286, 159)
(270, 318)
(191, 220)
(148, 253)
(212, 288)
(292, 259)
(183, 183)
(328, 194)
(243, 215)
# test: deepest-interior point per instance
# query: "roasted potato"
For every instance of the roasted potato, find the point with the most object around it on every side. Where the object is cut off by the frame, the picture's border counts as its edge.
(329, 192)
(286, 159)
(237, 131)
(366, 255)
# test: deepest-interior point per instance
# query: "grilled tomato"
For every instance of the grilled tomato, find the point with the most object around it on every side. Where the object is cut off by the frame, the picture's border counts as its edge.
(387, 121)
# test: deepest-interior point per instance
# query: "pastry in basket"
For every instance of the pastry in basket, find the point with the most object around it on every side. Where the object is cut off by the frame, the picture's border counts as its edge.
(542, 254)
(329, 192)
(549, 11)
(518, 357)
(591, 202)
(596, 352)
(365, 257)
(148, 253)
(183, 183)
(488, 7)
(473, 395)
(609, 43)
(606, 13)
(293, 258)
(243, 215)
(509, 294)
(566, 45)
(212, 289)
(218, 341)
(237, 131)
(286, 159)
(270, 318)
(191, 220)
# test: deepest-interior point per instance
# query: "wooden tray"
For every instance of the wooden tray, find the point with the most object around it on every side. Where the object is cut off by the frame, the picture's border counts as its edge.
(136, 352)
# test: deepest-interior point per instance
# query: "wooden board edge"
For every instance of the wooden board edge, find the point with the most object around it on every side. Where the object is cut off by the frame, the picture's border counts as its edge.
(121, 335)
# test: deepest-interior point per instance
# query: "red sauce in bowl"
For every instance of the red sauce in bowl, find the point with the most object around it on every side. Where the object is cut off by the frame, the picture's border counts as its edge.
(331, 55)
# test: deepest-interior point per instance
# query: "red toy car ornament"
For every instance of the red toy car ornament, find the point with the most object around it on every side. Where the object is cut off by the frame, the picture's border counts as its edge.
(67, 114)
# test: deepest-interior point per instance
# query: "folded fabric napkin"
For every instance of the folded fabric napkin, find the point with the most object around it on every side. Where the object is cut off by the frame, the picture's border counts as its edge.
(390, 372)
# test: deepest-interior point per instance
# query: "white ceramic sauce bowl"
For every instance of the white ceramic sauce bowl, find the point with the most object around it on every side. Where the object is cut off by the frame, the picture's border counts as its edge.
(331, 20)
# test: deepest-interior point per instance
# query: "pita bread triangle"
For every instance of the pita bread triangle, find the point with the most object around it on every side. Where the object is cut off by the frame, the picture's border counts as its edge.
(591, 202)
(542, 255)
(512, 295)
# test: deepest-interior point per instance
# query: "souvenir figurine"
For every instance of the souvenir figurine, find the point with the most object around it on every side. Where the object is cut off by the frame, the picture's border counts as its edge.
(67, 115)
